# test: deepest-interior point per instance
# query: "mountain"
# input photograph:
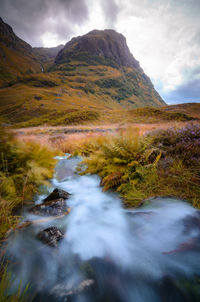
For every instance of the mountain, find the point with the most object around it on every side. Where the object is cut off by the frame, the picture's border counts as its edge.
(47, 55)
(93, 77)
(105, 46)
(127, 83)
(16, 56)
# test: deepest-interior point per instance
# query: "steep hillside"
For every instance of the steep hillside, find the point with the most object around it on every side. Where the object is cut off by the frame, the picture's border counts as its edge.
(16, 56)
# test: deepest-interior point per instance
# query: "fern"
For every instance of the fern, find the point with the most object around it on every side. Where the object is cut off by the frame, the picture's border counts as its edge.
(111, 181)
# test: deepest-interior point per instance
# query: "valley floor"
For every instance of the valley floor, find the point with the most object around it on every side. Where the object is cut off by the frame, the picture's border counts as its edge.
(59, 134)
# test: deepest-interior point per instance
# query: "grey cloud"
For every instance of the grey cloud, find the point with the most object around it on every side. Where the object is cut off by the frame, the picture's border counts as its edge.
(186, 92)
(189, 91)
(30, 19)
(111, 10)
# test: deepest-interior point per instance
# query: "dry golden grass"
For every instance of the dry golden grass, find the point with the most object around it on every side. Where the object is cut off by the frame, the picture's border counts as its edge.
(69, 142)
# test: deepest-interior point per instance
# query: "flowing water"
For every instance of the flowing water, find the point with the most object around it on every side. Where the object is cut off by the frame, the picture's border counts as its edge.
(146, 255)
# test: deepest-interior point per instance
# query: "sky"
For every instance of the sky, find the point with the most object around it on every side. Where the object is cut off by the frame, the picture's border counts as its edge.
(163, 35)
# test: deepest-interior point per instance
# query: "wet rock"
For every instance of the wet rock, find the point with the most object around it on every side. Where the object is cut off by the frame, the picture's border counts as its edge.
(57, 194)
(50, 236)
(192, 223)
(66, 291)
(55, 207)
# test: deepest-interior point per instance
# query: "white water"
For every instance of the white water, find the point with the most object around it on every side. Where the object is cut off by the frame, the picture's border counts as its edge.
(130, 252)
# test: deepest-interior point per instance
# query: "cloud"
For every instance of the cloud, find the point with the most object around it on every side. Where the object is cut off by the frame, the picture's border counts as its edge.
(31, 19)
(111, 10)
(165, 37)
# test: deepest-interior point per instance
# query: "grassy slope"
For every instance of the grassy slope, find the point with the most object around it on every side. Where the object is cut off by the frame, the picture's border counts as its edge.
(13, 64)
(105, 89)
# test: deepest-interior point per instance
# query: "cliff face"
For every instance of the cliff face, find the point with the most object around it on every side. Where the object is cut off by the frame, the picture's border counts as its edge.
(106, 44)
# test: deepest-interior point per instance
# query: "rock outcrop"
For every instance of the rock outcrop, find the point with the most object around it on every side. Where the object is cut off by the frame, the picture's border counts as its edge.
(105, 44)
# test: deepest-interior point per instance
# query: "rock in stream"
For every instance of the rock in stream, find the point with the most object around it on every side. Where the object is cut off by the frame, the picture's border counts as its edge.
(53, 205)
(51, 236)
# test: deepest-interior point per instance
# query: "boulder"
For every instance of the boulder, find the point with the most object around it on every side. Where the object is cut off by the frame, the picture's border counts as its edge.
(50, 236)
(55, 207)
(57, 194)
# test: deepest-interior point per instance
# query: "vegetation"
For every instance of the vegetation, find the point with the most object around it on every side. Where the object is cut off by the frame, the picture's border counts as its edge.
(70, 117)
(6, 296)
(23, 168)
(151, 114)
(165, 162)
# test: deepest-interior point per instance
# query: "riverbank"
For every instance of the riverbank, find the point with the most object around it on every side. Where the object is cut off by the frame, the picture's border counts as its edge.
(122, 257)
(24, 166)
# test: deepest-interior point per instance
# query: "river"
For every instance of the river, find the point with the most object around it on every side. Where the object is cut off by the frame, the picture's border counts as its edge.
(108, 253)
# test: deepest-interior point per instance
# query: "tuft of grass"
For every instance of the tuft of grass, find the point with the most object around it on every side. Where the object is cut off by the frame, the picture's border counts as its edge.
(24, 166)
(6, 296)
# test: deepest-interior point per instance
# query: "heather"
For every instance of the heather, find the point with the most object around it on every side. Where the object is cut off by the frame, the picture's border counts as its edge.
(162, 163)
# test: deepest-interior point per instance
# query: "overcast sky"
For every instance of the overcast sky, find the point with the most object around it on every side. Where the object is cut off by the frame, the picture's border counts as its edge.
(164, 35)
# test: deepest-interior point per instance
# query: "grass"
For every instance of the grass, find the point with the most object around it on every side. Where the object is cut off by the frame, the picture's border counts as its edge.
(6, 296)
(70, 117)
(102, 88)
(24, 166)
(151, 114)
(162, 163)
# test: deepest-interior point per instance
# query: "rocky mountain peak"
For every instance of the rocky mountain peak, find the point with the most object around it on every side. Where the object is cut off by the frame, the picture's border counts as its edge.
(107, 44)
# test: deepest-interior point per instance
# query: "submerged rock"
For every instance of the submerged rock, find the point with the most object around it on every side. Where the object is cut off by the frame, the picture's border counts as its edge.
(50, 236)
(56, 207)
(66, 291)
(57, 194)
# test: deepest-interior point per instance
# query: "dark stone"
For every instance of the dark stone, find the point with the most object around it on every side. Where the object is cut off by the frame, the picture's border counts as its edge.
(50, 236)
(56, 194)
(55, 207)
(192, 223)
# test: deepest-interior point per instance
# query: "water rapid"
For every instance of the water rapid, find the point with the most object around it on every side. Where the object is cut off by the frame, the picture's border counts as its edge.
(109, 254)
